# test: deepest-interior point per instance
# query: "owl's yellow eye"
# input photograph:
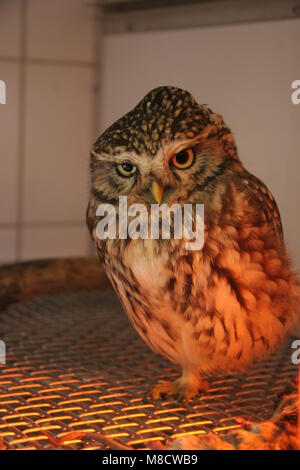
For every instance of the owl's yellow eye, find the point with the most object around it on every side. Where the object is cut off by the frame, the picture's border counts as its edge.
(184, 159)
(126, 169)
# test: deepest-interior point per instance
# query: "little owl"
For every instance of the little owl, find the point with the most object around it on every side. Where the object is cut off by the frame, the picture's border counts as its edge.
(215, 309)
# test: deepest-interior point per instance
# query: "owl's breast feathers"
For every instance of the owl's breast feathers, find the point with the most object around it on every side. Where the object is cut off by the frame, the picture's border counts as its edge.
(228, 303)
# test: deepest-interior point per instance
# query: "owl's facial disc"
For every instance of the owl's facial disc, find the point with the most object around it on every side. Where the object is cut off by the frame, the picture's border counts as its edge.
(166, 149)
(154, 179)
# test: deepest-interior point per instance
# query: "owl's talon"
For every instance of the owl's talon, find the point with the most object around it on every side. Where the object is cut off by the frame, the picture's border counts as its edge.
(179, 390)
(147, 395)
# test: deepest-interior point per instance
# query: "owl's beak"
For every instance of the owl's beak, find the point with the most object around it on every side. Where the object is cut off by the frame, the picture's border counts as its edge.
(157, 191)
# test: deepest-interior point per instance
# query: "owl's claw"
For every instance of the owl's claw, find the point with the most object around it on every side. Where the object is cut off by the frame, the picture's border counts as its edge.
(179, 390)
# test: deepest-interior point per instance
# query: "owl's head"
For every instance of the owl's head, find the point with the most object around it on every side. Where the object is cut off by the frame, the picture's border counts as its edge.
(167, 149)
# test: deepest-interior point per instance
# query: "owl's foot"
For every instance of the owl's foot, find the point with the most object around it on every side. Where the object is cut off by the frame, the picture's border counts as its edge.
(182, 390)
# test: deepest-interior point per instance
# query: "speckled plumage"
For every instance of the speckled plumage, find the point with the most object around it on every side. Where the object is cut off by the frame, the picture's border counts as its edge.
(214, 309)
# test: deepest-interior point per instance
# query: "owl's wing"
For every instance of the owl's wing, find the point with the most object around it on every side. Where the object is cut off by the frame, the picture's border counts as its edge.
(260, 198)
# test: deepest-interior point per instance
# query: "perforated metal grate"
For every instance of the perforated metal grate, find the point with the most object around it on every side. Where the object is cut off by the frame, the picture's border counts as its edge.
(74, 363)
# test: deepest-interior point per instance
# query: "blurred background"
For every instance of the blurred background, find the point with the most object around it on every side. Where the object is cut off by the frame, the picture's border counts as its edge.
(72, 67)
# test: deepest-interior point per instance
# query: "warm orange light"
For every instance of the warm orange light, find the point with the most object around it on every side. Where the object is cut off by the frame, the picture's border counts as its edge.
(168, 410)
(88, 421)
(35, 379)
(157, 429)
(41, 430)
(162, 420)
(28, 439)
(139, 407)
(226, 428)
(107, 403)
(195, 423)
(13, 425)
(58, 418)
(19, 415)
(38, 399)
(95, 413)
(9, 395)
(71, 402)
(29, 407)
(118, 426)
(191, 433)
(64, 410)
(135, 415)
(149, 439)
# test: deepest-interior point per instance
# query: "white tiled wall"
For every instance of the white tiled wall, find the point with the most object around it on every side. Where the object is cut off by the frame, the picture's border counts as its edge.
(8, 244)
(46, 127)
(59, 240)
(58, 133)
(9, 144)
(59, 30)
(10, 28)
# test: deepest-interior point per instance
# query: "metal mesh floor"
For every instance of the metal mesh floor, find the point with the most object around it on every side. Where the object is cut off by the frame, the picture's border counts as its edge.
(74, 363)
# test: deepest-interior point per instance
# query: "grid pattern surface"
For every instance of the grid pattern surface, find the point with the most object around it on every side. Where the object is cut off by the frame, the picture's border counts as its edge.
(74, 363)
